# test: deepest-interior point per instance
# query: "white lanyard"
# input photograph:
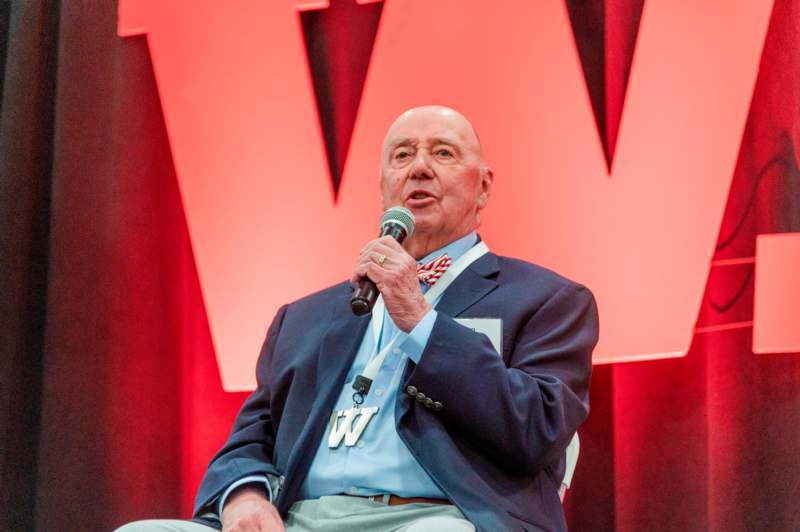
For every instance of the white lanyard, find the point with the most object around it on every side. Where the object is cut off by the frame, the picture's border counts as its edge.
(432, 296)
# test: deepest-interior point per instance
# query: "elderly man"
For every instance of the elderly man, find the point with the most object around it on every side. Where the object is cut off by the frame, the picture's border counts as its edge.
(477, 389)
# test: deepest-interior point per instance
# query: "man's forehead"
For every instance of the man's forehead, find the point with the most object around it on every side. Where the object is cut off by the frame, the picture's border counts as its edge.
(444, 137)
(430, 123)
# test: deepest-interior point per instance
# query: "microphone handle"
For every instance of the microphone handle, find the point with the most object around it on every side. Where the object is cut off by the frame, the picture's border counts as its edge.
(366, 294)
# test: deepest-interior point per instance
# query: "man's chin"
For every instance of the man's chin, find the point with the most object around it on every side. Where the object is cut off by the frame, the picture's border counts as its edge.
(427, 214)
(425, 225)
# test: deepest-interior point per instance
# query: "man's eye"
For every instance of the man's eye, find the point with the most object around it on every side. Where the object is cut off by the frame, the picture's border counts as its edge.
(444, 153)
(401, 155)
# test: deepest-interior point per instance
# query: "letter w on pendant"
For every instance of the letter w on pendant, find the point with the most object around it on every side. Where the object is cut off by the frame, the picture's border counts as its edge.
(345, 429)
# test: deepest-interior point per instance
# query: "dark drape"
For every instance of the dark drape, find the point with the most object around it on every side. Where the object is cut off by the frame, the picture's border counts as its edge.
(94, 248)
(110, 400)
(28, 43)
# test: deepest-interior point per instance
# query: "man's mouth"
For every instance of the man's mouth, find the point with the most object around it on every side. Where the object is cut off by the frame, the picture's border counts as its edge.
(419, 195)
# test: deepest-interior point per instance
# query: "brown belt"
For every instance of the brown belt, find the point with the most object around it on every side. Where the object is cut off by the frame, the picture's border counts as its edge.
(394, 500)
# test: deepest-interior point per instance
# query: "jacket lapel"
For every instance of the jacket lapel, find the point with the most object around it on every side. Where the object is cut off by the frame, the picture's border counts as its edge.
(471, 286)
(338, 348)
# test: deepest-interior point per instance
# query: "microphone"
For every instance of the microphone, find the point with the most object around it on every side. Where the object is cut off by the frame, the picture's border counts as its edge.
(398, 223)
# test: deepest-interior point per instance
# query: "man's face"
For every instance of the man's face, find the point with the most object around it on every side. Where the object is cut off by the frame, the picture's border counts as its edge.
(432, 165)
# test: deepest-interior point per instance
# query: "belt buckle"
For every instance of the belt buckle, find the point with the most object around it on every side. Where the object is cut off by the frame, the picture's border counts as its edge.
(381, 499)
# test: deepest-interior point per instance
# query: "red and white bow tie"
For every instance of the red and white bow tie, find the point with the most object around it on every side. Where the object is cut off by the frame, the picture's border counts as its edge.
(431, 271)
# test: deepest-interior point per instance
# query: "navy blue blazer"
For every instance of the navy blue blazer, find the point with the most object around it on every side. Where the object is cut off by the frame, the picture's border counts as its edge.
(496, 448)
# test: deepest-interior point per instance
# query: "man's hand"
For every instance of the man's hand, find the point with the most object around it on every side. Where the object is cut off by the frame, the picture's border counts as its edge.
(247, 509)
(394, 272)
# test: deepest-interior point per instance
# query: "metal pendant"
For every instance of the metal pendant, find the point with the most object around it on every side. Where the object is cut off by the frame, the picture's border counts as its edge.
(349, 425)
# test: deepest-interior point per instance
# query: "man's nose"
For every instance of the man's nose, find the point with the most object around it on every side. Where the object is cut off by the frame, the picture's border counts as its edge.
(421, 166)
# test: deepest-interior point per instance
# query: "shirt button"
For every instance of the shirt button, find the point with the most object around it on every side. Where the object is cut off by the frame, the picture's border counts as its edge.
(428, 402)
(411, 390)
(396, 351)
(379, 392)
(421, 397)
(437, 405)
(360, 444)
(354, 490)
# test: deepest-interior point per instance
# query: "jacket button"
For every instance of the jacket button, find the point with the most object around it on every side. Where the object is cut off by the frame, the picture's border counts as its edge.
(412, 391)
(428, 402)
(437, 405)
(421, 397)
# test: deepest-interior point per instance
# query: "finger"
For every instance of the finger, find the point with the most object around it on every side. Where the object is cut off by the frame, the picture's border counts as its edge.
(376, 273)
(392, 248)
(382, 256)
(370, 266)
(395, 256)
(370, 244)
(371, 258)
(384, 252)
(384, 244)
(379, 247)
(276, 525)
(359, 272)
(392, 243)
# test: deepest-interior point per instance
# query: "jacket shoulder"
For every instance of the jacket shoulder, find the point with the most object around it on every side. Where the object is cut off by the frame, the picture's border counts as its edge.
(518, 271)
(321, 298)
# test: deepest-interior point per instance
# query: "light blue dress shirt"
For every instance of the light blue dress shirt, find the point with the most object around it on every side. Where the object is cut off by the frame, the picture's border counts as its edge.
(380, 462)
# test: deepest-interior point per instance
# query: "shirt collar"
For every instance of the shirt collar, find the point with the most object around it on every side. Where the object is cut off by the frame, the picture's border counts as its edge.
(454, 249)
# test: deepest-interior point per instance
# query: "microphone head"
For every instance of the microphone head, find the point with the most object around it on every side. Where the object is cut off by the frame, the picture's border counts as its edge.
(401, 216)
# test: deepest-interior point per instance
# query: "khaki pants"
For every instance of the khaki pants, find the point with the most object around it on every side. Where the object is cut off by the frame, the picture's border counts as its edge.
(342, 514)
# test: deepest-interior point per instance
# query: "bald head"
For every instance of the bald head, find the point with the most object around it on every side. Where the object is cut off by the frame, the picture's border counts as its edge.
(449, 119)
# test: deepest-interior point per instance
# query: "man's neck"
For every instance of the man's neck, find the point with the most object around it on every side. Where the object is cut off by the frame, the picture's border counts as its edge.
(421, 245)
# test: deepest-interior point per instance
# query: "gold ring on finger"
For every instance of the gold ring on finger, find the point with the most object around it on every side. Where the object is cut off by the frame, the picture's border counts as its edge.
(381, 259)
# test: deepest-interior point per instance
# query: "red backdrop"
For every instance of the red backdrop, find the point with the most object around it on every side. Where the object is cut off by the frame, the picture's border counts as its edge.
(112, 394)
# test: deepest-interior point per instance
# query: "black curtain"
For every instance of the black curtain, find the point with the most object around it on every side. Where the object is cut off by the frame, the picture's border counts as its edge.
(89, 435)
(29, 46)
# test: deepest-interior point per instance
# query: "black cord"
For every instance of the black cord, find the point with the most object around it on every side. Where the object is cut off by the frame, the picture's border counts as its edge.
(784, 158)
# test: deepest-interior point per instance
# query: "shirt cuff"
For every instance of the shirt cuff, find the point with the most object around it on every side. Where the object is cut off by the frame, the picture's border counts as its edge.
(414, 342)
(252, 479)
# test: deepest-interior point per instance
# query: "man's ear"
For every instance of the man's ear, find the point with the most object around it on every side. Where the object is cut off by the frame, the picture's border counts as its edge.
(487, 179)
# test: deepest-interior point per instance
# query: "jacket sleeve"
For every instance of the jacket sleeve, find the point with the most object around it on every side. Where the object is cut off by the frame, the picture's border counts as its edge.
(248, 450)
(523, 415)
